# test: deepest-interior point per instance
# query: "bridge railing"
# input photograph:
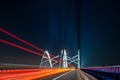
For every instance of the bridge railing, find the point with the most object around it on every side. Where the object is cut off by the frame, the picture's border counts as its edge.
(104, 72)
(111, 69)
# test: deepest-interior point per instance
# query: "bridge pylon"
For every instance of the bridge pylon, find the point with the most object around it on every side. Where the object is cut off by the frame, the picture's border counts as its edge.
(46, 58)
(66, 60)
(65, 64)
(47, 61)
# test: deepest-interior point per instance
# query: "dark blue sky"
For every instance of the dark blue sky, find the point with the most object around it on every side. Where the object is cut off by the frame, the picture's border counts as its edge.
(55, 24)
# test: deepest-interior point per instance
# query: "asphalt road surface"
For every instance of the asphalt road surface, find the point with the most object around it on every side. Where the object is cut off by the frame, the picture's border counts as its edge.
(70, 75)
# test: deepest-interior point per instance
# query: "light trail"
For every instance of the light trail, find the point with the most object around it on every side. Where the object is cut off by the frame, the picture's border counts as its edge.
(30, 74)
(23, 41)
(113, 69)
(20, 47)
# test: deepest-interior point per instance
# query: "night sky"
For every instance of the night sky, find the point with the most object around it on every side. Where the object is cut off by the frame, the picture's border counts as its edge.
(93, 26)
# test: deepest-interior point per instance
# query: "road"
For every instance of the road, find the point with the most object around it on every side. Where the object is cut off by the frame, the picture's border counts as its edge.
(69, 75)
(29, 74)
(45, 74)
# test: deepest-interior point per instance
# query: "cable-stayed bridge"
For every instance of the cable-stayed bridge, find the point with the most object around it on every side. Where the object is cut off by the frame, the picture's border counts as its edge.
(51, 67)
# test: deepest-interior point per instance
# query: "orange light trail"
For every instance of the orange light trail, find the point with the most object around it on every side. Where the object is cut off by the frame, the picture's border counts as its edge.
(29, 74)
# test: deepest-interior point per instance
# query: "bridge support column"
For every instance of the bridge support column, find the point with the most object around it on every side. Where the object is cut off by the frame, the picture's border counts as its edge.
(78, 59)
(65, 64)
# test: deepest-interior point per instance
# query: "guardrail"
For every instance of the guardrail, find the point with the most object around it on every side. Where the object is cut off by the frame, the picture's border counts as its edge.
(104, 72)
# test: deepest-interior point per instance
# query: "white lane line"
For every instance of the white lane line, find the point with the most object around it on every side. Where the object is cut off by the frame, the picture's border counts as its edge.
(89, 76)
(85, 77)
(61, 75)
(78, 74)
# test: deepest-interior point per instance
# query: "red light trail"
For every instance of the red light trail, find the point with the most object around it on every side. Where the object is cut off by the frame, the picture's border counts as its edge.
(20, 47)
(23, 41)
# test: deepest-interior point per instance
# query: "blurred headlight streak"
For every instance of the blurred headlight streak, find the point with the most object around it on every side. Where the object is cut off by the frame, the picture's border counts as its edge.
(29, 74)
